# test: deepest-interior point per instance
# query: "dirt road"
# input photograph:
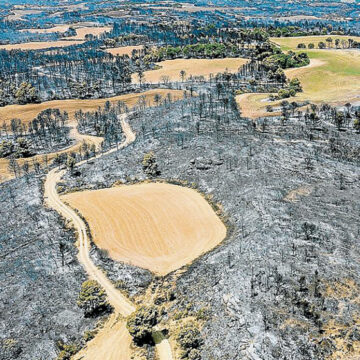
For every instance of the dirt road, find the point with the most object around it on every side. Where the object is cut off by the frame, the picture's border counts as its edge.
(106, 345)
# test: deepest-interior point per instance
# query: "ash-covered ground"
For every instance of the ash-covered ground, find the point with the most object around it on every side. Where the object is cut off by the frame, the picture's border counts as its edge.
(40, 276)
(284, 284)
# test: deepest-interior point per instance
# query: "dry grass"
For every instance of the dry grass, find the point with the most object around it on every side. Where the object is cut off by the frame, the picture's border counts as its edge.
(156, 226)
(194, 67)
(123, 50)
(40, 45)
(18, 14)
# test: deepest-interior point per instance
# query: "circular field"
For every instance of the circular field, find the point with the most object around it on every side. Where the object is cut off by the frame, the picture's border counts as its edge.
(157, 226)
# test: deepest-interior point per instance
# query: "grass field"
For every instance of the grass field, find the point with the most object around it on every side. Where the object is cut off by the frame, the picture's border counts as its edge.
(194, 67)
(28, 112)
(123, 50)
(157, 226)
(333, 76)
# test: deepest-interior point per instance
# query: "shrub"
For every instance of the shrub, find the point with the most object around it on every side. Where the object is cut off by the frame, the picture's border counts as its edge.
(92, 298)
(141, 323)
(296, 85)
(149, 164)
(67, 351)
(190, 340)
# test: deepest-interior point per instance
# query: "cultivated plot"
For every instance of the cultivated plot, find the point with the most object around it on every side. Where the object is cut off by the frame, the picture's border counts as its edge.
(157, 226)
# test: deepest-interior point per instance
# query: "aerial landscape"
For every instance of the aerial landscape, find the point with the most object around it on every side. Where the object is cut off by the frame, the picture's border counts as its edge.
(179, 180)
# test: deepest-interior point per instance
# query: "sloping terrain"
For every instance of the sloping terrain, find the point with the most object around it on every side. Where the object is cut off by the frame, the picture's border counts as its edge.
(276, 287)
(40, 276)
(160, 227)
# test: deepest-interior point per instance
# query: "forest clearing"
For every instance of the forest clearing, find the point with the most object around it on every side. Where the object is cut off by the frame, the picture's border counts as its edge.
(156, 226)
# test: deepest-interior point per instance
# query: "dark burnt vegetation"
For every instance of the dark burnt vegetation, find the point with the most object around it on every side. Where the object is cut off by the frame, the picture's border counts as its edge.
(46, 133)
(286, 267)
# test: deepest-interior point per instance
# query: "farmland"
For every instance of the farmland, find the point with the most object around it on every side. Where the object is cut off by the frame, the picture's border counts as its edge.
(40, 45)
(81, 30)
(175, 227)
(123, 50)
(28, 112)
(170, 69)
(332, 76)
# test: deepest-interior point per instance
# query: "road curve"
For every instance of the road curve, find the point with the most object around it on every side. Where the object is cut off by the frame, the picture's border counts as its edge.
(119, 302)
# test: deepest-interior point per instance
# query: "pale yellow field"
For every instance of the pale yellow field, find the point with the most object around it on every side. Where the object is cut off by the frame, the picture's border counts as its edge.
(194, 67)
(18, 14)
(123, 50)
(40, 45)
(81, 30)
(156, 226)
(28, 112)
(89, 30)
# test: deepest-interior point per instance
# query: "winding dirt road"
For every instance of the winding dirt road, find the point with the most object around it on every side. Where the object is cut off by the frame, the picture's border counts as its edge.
(113, 340)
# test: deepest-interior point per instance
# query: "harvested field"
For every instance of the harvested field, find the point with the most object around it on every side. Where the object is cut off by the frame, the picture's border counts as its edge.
(123, 50)
(40, 45)
(157, 226)
(28, 112)
(82, 29)
(194, 67)
(89, 30)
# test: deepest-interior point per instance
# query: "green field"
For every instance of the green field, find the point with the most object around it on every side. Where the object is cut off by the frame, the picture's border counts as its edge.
(333, 75)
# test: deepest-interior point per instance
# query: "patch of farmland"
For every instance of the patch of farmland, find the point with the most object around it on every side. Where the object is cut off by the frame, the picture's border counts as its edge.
(160, 227)
(195, 67)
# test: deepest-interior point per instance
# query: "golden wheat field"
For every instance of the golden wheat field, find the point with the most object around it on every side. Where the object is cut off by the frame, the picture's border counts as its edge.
(194, 67)
(157, 226)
